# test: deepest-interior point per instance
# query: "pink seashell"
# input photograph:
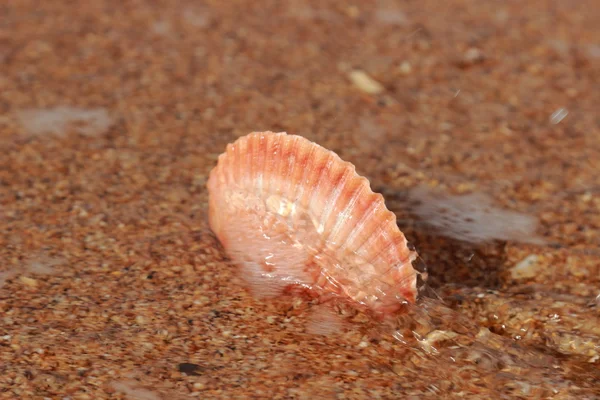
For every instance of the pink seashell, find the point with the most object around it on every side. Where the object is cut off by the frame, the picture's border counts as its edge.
(289, 212)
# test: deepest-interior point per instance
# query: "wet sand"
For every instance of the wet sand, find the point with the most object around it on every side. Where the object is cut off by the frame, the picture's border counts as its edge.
(478, 122)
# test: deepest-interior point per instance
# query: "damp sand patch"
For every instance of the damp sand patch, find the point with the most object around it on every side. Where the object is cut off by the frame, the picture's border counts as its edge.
(473, 217)
(38, 266)
(64, 119)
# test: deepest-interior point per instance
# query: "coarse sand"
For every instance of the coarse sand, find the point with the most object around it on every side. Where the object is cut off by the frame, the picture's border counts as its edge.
(477, 120)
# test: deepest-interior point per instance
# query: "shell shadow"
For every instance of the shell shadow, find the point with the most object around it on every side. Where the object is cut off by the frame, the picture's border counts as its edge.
(447, 259)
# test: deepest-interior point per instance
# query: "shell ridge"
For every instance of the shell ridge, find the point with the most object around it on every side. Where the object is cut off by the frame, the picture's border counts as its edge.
(378, 235)
(393, 242)
(308, 169)
(374, 206)
(251, 158)
(241, 145)
(317, 160)
(273, 147)
(261, 155)
(291, 166)
(323, 174)
(327, 213)
(348, 211)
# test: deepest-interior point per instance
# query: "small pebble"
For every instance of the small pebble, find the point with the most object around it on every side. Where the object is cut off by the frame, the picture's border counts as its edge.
(526, 268)
(558, 115)
(365, 83)
(29, 281)
(405, 68)
(471, 57)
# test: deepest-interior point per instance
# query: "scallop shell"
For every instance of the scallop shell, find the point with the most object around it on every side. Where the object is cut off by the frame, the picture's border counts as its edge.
(290, 212)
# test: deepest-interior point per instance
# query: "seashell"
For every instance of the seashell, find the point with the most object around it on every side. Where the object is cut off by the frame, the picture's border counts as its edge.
(291, 213)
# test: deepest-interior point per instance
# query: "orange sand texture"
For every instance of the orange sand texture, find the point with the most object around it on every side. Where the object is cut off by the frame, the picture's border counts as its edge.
(477, 120)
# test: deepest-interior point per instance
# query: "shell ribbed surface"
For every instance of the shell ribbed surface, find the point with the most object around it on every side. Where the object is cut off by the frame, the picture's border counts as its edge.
(290, 212)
